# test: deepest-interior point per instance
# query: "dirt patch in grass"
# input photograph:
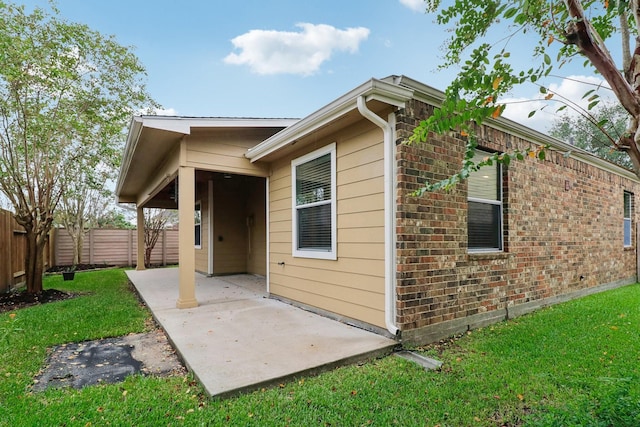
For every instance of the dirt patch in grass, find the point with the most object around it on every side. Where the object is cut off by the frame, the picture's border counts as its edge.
(109, 360)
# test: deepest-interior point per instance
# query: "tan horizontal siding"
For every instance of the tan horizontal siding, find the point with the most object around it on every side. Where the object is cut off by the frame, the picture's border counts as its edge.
(280, 205)
(224, 151)
(318, 297)
(360, 188)
(367, 203)
(361, 173)
(281, 215)
(352, 285)
(356, 291)
(361, 219)
(330, 276)
(362, 235)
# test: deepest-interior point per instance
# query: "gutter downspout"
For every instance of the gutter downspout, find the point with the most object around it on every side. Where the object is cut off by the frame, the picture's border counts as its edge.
(388, 128)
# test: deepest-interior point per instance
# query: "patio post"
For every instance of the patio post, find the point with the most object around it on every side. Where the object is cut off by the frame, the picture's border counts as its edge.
(186, 238)
(140, 235)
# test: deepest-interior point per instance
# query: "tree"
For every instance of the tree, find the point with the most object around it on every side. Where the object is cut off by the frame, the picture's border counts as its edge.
(583, 133)
(155, 220)
(561, 31)
(66, 94)
(113, 218)
(83, 201)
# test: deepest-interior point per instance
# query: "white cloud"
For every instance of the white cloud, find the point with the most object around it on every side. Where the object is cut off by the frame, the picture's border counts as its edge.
(283, 52)
(415, 5)
(570, 91)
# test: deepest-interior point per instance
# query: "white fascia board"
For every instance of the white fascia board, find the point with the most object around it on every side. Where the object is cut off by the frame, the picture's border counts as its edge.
(373, 90)
(184, 125)
(135, 128)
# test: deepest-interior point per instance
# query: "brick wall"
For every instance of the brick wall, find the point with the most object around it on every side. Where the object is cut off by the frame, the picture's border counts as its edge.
(563, 235)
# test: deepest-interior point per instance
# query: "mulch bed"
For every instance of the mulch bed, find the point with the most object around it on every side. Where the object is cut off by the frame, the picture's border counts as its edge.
(78, 267)
(15, 300)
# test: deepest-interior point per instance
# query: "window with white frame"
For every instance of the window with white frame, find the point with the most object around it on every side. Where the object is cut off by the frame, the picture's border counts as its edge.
(197, 219)
(314, 204)
(628, 214)
(484, 215)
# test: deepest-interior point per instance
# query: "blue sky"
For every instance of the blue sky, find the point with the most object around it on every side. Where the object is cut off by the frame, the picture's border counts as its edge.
(275, 58)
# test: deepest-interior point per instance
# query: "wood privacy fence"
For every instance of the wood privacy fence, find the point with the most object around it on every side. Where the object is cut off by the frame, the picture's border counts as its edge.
(13, 251)
(112, 247)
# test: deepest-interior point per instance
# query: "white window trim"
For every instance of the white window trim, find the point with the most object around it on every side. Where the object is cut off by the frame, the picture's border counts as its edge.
(492, 202)
(332, 254)
(199, 202)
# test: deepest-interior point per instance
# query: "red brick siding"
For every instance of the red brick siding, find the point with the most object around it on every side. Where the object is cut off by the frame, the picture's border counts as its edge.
(556, 240)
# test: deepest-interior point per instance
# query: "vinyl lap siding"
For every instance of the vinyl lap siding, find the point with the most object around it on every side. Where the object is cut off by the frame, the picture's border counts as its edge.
(353, 285)
(224, 152)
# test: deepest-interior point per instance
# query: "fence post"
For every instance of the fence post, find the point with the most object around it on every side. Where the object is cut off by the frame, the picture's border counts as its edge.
(6, 264)
(91, 248)
(164, 246)
(129, 247)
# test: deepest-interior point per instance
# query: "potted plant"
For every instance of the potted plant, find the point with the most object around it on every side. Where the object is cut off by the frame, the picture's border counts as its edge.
(69, 273)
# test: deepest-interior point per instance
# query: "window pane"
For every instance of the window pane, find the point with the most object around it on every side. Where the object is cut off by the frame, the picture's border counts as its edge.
(197, 240)
(483, 183)
(314, 227)
(627, 205)
(627, 232)
(197, 216)
(197, 220)
(313, 181)
(484, 226)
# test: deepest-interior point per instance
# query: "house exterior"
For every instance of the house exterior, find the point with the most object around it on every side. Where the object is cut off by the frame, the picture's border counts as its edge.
(323, 207)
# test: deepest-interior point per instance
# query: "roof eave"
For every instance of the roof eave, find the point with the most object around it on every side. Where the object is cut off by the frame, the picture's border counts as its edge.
(373, 89)
(184, 126)
(435, 97)
(135, 128)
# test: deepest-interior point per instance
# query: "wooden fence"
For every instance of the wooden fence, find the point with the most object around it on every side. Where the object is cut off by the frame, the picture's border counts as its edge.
(101, 246)
(112, 247)
(13, 251)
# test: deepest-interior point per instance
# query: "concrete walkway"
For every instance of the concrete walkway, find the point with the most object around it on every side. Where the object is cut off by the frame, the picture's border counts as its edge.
(238, 340)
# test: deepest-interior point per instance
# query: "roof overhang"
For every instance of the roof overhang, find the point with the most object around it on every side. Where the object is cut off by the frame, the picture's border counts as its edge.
(435, 97)
(151, 138)
(374, 90)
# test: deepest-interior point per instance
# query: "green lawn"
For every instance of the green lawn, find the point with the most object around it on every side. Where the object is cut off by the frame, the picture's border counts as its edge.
(574, 364)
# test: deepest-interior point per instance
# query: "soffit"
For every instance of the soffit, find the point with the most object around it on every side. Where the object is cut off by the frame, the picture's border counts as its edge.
(151, 151)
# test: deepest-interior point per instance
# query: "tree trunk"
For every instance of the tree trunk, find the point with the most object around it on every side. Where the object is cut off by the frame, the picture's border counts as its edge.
(33, 263)
(147, 256)
(77, 237)
(625, 85)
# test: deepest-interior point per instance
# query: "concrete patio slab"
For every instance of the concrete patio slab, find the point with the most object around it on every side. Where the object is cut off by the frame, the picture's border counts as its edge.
(238, 339)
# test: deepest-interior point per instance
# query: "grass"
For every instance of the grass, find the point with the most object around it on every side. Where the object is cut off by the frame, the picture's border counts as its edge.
(573, 364)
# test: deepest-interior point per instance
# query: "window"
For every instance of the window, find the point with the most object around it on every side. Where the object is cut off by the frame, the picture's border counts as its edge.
(484, 225)
(314, 205)
(628, 214)
(198, 224)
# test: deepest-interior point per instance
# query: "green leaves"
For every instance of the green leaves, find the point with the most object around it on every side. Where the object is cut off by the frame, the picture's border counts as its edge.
(468, 165)
(66, 94)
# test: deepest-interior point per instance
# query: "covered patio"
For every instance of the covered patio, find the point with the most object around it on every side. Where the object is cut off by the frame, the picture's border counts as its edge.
(237, 339)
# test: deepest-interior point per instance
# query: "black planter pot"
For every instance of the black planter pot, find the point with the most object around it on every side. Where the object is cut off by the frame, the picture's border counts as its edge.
(68, 275)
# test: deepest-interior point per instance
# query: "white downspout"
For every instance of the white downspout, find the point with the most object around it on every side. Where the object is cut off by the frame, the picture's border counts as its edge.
(388, 128)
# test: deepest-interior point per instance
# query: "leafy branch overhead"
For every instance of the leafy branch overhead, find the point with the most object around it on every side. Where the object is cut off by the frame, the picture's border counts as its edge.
(562, 32)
